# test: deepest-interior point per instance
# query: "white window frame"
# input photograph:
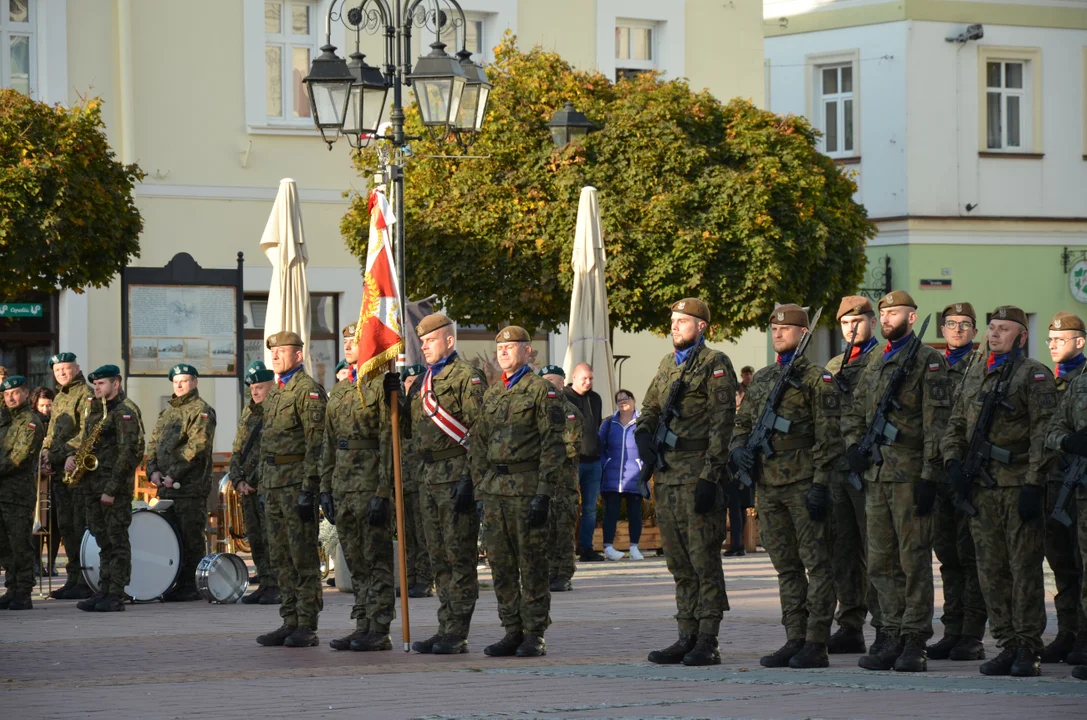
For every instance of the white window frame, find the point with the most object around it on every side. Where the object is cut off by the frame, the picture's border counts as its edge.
(668, 42)
(654, 52)
(9, 29)
(287, 41)
(497, 16)
(1030, 106)
(815, 102)
(486, 42)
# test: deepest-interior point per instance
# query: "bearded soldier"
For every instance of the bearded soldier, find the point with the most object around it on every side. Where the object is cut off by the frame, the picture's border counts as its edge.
(245, 466)
(19, 451)
(564, 511)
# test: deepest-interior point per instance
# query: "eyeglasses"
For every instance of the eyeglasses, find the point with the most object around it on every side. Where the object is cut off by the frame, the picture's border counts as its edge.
(624, 399)
(1060, 342)
(964, 325)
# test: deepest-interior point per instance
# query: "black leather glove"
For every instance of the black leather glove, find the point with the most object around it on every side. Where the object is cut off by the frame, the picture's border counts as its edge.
(391, 383)
(537, 511)
(644, 440)
(857, 461)
(378, 513)
(463, 496)
(1075, 444)
(307, 511)
(328, 507)
(742, 458)
(924, 497)
(1030, 502)
(959, 483)
(818, 501)
(705, 496)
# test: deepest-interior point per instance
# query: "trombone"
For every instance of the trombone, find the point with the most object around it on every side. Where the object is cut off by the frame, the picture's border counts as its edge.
(43, 528)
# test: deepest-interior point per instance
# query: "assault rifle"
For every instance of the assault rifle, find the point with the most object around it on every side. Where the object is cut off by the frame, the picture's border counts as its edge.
(1074, 476)
(839, 379)
(881, 431)
(981, 449)
(663, 437)
(769, 421)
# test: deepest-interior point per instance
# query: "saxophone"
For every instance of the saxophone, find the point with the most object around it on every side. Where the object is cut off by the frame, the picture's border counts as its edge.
(85, 460)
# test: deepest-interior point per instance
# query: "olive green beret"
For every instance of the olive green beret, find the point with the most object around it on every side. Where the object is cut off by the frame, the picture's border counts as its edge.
(64, 357)
(285, 337)
(1010, 312)
(341, 365)
(853, 305)
(106, 371)
(962, 310)
(349, 330)
(431, 323)
(897, 298)
(552, 370)
(257, 372)
(12, 381)
(183, 369)
(1066, 321)
(513, 333)
(693, 307)
(412, 371)
(789, 314)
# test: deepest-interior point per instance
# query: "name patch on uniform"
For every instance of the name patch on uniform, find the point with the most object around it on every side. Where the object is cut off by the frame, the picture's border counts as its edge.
(718, 373)
(827, 377)
(551, 394)
(312, 396)
(933, 367)
(476, 381)
(1039, 376)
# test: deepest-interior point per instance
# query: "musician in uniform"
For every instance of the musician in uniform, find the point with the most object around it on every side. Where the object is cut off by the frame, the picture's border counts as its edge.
(690, 499)
(290, 448)
(65, 422)
(20, 448)
(245, 467)
(113, 435)
(563, 515)
(793, 497)
(444, 417)
(1008, 527)
(420, 579)
(179, 466)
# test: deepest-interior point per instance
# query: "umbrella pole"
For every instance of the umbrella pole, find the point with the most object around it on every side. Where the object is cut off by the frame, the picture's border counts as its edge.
(401, 545)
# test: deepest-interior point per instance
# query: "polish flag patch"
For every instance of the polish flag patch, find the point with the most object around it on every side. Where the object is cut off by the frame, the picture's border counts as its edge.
(204, 415)
(32, 426)
(827, 377)
(312, 396)
(126, 417)
(551, 394)
(933, 366)
(476, 381)
(718, 373)
(1039, 376)
(571, 417)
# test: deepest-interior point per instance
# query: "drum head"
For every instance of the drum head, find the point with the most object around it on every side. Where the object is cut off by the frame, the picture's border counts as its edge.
(222, 578)
(88, 557)
(156, 556)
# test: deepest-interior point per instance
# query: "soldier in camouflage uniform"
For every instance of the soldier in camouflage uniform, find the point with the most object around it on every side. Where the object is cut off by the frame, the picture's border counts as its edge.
(1008, 527)
(849, 544)
(420, 579)
(518, 454)
(793, 498)
(245, 467)
(108, 489)
(290, 447)
(64, 424)
(19, 451)
(444, 416)
(179, 465)
(964, 606)
(563, 515)
(901, 493)
(690, 499)
(1066, 342)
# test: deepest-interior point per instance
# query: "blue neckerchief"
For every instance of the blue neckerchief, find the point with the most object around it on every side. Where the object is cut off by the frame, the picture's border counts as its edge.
(995, 361)
(512, 380)
(1066, 367)
(440, 365)
(682, 355)
(867, 347)
(954, 355)
(286, 377)
(892, 348)
(786, 357)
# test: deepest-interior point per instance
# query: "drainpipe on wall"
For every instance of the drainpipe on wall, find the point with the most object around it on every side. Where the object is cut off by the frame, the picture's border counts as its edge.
(124, 81)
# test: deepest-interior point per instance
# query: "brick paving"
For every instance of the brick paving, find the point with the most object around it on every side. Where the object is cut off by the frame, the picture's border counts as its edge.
(180, 660)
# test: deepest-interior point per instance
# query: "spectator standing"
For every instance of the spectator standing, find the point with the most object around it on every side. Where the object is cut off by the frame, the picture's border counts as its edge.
(620, 466)
(580, 392)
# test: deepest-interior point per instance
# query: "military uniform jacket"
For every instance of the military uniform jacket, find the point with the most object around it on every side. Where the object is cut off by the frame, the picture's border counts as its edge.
(351, 421)
(119, 449)
(1022, 430)
(181, 446)
(926, 399)
(572, 435)
(814, 441)
(851, 373)
(19, 450)
(293, 438)
(522, 424)
(706, 412)
(247, 466)
(459, 389)
(66, 420)
(1063, 383)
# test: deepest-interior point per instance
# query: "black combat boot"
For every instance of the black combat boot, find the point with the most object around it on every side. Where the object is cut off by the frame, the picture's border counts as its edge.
(1056, 651)
(879, 643)
(110, 603)
(560, 585)
(79, 592)
(61, 593)
(969, 648)
(1078, 656)
(21, 601)
(303, 636)
(1027, 663)
(450, 644)
(913, 658)
(846, 640)
(426, 647)
(6, 598)
(673, 654)
(942, 650)
(270, 597)
(1079, 672)
(507, 646)
(372, 642)
(276, 637)
(705, 651)
(886, 657)
(254, 597)
(531, 646)
(344, 643)
(1001, 664)
(182, 595)
(420, 591)
(812, 655)
(87, 604)
(782, 656)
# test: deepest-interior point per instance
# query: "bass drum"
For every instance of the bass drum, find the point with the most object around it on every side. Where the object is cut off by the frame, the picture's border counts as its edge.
(222, 578)
(156, 557)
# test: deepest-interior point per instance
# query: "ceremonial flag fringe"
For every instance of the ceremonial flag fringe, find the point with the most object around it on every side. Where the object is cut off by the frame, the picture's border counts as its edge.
(379, 334)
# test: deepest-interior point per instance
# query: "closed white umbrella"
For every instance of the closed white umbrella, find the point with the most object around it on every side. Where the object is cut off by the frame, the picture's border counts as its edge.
(284, 244)
(589, 338)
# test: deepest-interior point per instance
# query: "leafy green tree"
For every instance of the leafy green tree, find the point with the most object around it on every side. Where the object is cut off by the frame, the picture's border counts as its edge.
(67, 219)
(698, 198)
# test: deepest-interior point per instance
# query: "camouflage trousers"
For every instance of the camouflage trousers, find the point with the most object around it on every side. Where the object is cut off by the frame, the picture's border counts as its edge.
(964, 605)
(692, 551)
(562, 521)
(518, 558)
(1010, 554)
(189, 515)
(71, 521)
(900, 558)
(368, 551)
(109, 525)
(415, 530)
(17, 546)
(256, 534)
(292, 549)
(1063, 555)
(451, 541)
(800, 553)
(849, 558)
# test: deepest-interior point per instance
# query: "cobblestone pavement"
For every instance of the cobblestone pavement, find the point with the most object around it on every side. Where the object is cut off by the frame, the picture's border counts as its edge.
(181, 660)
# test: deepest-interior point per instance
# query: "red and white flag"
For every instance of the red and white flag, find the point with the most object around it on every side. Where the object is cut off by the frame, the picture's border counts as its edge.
(378, 333)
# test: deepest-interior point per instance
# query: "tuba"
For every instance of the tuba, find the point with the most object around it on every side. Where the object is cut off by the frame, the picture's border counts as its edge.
(230, 524)
(85, 460)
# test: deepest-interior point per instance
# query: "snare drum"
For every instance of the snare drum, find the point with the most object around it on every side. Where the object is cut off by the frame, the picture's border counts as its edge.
(156, 557)
(222, 578)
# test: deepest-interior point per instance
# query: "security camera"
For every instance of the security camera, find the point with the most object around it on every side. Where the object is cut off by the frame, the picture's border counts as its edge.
(972, 32)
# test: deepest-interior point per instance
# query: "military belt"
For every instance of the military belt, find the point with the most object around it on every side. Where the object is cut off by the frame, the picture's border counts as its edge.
(1020, 452)
(432, 457)
(358, 444)
(796, 443)
(908, 443)
(692, 444)
(510, 469)
(283, 459)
